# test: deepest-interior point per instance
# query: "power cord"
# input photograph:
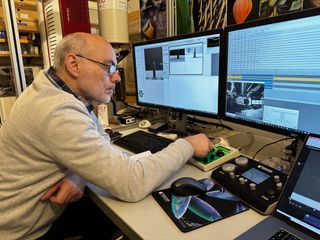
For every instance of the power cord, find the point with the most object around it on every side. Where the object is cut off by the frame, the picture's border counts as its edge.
(128, 105)
(193, 120)
(282, 139)
(252, 140)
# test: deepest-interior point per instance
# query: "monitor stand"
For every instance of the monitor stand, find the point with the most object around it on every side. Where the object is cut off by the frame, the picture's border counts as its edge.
(296, 147)
(181, 123)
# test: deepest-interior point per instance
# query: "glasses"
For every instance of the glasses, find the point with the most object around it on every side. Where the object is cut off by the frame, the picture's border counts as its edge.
(109, 68)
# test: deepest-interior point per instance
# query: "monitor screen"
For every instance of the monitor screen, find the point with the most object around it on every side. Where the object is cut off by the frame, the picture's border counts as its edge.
(180, 73)
(273, 73)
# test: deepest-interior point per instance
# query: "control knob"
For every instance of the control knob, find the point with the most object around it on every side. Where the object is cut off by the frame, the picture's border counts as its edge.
(270, 193)
(219, 153)
(232, 175)
(241, 180)
(279, 185)
(253, 186)
(276, 178)
(241, 161)
(228, 167)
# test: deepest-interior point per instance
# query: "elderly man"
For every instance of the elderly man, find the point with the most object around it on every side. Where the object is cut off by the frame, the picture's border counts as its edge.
(52, 143)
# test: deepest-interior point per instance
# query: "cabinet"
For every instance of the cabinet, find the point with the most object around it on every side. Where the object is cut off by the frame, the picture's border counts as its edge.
(27, 21)
(20, 49)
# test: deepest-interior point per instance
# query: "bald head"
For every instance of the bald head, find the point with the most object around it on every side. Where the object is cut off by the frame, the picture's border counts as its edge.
(78, 43)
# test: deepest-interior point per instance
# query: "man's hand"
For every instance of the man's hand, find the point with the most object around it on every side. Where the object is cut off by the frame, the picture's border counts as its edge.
(69, 189)
(201, 145)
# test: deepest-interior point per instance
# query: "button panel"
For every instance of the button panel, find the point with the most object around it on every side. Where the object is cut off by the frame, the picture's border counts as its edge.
(256, 184)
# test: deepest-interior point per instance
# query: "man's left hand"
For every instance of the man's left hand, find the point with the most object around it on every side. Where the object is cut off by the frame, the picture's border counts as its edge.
(69, 189)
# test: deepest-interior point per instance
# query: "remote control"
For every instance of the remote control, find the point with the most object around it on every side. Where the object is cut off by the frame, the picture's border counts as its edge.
(217, 156)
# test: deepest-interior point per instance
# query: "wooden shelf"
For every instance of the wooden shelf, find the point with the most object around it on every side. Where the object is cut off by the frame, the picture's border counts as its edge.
(5, 55)
(26, 4)
(25, 41)
(22, 31)
(31, 55)
(4, 40)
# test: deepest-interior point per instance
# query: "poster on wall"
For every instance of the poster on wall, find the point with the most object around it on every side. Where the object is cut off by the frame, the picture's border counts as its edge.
(240, 11)
(153, 19)
(208, 14)
(311, 4)
(134, 21)
(200, 15)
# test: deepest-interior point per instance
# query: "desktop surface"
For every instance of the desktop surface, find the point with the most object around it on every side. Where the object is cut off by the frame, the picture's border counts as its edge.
(147, 220)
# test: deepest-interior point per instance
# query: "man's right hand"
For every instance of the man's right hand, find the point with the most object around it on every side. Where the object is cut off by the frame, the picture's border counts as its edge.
(201, 144)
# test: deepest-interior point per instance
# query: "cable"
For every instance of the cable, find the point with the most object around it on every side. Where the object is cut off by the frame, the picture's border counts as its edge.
(114, 108)
(252, 139)
(282, 139)
(192, 119)
(128, 105)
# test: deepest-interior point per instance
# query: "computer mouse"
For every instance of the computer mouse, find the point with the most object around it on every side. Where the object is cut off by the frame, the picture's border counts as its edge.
(144, 123)
(187, 186)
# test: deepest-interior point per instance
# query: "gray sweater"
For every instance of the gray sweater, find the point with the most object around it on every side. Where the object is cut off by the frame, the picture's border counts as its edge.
(50, 133)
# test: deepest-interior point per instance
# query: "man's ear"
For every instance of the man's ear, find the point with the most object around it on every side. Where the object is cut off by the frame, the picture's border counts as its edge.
(72, 64)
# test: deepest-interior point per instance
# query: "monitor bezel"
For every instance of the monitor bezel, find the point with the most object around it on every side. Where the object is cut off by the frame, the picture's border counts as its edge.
(261, 22)
(179, 37)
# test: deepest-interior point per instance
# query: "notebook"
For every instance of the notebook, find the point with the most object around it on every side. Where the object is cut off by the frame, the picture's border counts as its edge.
(298, 210)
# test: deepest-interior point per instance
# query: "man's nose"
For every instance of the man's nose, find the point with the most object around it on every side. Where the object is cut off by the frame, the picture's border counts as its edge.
(115, 78)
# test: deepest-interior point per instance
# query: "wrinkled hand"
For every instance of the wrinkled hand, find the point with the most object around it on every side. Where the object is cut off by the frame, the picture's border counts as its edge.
(69, 189)
(201, 144)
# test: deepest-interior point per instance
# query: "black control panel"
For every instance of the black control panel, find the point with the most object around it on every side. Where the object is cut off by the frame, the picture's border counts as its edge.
(256, 184)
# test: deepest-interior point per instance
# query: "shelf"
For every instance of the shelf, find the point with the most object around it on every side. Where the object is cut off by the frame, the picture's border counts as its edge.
(4, 40)
(25, 41)
(22, 30)
(26, 4)
(5, 55)
(31, 55)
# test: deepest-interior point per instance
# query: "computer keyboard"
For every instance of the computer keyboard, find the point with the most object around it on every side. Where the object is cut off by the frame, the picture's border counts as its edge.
(141, 141)
(282, 234)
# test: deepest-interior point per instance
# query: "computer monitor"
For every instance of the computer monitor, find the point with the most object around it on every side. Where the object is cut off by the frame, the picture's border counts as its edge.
(180, 73)
(273, 74)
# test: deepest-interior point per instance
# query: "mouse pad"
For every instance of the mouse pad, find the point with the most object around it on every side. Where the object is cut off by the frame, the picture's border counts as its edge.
(192, 212)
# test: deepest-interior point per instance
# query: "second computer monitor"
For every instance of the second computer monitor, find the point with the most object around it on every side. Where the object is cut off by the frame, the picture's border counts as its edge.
(273, 73)
(180, 73)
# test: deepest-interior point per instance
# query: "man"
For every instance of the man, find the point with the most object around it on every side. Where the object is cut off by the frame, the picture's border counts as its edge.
(52, 141)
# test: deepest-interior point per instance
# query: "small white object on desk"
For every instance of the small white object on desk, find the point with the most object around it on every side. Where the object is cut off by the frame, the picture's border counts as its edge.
(171, 136)
(144, 124)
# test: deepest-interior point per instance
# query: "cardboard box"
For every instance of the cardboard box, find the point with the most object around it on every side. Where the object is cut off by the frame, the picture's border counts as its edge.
(26, 4)
(1, 12)
(2, 24)
(27, 15)
(28, 26)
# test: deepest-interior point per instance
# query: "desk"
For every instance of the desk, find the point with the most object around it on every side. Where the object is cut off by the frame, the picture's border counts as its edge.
(147, 220)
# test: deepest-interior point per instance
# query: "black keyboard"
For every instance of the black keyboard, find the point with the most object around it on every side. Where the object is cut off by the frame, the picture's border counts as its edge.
(141, 141)
(282, 234)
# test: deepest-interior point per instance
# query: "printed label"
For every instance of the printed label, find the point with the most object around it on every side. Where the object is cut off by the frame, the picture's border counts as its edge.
(113, 4)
